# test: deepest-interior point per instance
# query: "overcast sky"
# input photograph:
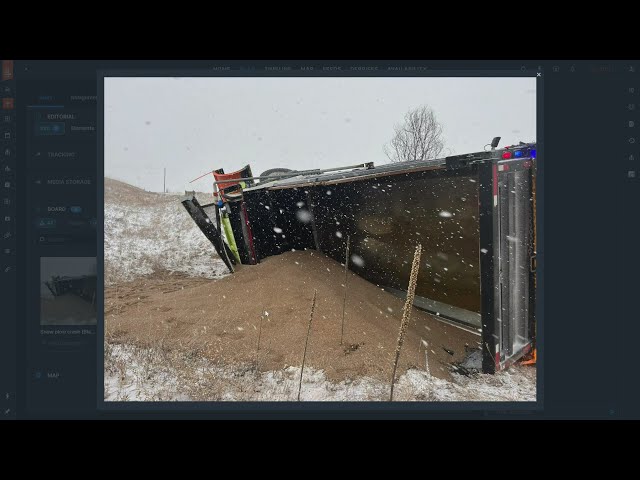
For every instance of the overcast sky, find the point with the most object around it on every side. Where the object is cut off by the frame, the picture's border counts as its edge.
(195, 125)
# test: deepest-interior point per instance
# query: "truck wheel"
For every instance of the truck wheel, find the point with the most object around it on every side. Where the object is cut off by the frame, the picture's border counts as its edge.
(273, 171)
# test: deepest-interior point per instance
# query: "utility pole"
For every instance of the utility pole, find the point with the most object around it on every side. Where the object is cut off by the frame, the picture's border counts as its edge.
(164, 183)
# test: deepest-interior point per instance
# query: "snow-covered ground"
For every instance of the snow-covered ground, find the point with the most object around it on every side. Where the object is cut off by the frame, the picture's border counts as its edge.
(147, 233)
(135, 374)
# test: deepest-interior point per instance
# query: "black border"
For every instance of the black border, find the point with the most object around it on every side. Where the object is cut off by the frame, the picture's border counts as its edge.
(282, 410)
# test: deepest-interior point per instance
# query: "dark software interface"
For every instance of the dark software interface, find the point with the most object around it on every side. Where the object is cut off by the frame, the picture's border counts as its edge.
(319, 239)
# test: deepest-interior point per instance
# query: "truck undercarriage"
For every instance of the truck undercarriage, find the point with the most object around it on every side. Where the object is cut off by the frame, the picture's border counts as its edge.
(473, 214)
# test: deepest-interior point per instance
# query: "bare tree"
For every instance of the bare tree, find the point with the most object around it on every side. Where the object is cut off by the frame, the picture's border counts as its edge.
(418, 138)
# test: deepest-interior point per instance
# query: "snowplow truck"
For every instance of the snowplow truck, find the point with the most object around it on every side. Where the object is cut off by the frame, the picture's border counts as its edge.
(474, 214)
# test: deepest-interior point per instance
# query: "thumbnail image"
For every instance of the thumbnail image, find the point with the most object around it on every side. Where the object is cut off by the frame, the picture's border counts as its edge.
(320, 239)
(68, 290)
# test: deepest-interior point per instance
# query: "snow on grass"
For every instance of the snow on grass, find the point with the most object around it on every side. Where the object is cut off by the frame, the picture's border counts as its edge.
(138, 374)
(517, 384)
(153, 235)
(131, 375)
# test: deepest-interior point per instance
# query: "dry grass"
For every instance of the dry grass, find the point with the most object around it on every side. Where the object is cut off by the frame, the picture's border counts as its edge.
(161, 374)
(406, 313)
(306, 341)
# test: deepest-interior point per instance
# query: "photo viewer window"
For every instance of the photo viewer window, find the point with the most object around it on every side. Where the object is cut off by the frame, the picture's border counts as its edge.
(276, 225)
(318, 239)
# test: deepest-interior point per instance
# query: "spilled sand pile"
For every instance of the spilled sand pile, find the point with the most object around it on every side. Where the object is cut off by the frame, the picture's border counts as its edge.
(219, 320)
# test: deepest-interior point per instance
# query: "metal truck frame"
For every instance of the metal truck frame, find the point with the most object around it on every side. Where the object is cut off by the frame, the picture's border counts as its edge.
(474, 215)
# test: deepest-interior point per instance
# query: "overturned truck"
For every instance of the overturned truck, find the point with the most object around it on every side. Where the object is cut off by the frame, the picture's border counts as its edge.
(474, 214)
(83, 286)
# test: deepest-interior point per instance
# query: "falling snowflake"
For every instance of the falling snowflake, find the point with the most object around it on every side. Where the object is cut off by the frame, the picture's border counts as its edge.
(357, 260)
(277, 230)
(304, 216)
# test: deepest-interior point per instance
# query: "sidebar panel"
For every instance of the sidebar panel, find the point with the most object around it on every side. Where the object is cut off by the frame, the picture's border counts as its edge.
(8, 305)
(59, 124)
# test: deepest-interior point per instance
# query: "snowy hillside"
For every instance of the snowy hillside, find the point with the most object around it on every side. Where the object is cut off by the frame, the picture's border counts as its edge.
(149, 233)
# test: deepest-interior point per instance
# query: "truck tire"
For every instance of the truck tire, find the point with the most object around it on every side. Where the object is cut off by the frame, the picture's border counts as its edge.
(273, 171)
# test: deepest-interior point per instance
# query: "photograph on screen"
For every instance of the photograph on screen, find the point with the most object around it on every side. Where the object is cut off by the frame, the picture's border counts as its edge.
(68, 291)
(316, 239)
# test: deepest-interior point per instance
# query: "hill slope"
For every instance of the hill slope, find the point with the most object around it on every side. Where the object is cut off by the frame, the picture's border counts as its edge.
(148, 233)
